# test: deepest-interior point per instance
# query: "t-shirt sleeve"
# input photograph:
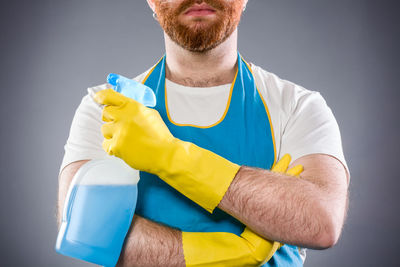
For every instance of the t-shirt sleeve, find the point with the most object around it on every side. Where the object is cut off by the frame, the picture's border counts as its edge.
(85, 137)
(311, 128)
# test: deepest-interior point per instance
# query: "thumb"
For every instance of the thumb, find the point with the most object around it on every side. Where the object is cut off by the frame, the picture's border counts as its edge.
(109, 97)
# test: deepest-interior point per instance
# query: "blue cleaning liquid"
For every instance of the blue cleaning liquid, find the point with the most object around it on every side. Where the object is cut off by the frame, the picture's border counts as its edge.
(99, 217)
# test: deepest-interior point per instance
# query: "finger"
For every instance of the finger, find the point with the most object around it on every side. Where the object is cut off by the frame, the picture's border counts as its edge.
(109, 113)
(282, 165)
(107, 146)
(107, 130)
(109, 97)
(296, 170)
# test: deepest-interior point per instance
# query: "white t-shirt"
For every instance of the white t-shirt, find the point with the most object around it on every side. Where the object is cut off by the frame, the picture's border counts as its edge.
(302, 122)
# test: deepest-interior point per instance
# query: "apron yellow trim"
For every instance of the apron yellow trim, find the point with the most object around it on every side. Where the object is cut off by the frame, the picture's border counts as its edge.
(267, 110)
(198, 126)
(151, 70)
(227, 106)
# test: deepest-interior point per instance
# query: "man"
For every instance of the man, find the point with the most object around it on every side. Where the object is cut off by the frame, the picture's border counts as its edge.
(219, 126)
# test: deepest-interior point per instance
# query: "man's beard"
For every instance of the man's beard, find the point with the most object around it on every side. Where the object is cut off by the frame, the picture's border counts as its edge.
(198, 37)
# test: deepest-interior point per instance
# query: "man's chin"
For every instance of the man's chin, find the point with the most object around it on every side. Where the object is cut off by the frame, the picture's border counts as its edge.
(199, 25)
(199, 47)
(197, 34)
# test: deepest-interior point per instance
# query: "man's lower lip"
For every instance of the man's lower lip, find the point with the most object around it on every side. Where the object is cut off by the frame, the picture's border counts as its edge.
(202, 12)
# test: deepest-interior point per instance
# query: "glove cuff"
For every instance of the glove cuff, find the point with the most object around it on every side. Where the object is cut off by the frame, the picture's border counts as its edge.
(199, 174)
(216, 249)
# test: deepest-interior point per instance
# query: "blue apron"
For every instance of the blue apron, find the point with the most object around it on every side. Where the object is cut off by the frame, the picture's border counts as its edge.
(244, 135)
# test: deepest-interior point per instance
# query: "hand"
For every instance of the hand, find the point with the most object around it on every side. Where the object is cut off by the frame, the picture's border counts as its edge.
(133, 132)
(139, 136)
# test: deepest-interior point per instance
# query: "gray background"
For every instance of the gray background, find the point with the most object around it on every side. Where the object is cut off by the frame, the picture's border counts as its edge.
(51, 51)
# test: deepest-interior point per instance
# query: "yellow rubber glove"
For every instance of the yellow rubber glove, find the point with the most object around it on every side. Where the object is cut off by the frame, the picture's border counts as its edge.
(139, 136)
(226, 249)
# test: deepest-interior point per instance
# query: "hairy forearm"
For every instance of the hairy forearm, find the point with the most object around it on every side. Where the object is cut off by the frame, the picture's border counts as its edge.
(151, 244)
(277, 210)
(303, 212)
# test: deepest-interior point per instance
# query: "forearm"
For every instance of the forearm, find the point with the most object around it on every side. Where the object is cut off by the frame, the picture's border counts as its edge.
(278, 210)
(151, 244)
(304, 212)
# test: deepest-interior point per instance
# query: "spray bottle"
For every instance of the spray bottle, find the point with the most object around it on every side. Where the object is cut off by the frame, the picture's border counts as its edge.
(101, 199)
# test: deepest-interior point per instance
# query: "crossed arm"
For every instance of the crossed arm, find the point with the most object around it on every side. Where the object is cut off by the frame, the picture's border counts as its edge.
(307, 212)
